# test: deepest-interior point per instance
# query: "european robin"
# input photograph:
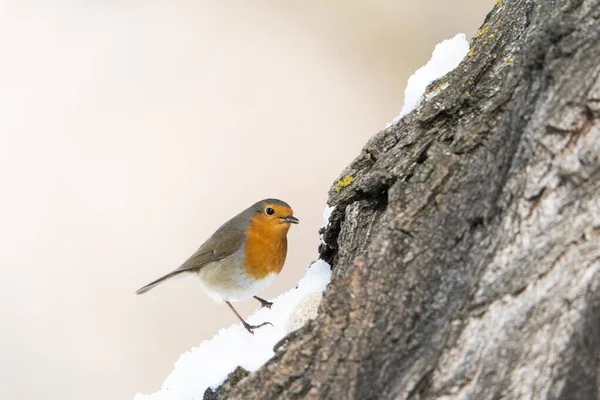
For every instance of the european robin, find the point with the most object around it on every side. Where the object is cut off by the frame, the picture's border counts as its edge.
(242, 257)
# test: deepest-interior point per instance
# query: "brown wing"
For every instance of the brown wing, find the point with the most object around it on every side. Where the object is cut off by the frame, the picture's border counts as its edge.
(223, 243)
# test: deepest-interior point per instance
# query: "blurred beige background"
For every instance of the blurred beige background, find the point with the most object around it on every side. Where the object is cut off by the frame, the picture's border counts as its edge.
(129, 131)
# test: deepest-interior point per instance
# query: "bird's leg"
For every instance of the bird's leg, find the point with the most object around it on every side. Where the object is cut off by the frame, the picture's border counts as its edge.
(263, 302)
(249, 328)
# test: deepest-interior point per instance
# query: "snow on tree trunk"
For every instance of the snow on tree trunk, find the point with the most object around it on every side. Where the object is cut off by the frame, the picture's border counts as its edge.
(465, 242)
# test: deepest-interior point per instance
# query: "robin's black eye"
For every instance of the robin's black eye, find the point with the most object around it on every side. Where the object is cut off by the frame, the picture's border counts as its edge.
(269, 211)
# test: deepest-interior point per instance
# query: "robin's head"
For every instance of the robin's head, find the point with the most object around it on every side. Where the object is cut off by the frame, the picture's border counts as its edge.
(273, 214)
(266, 242)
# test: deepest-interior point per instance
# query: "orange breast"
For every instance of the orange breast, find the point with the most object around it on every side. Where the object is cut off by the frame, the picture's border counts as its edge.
(266, 248)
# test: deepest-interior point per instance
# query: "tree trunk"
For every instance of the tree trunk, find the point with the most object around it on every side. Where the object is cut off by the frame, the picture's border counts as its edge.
(465, 242)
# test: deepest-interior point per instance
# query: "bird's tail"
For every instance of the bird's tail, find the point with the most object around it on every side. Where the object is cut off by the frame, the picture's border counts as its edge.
(160, 280)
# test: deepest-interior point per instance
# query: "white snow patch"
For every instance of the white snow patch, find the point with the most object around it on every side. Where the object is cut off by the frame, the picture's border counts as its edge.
(209, 364)
(326, 215)
(436, 91)
(305, 311)
(445, 57)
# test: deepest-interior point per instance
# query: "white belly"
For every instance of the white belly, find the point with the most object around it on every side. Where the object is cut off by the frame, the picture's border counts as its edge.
(226, 281)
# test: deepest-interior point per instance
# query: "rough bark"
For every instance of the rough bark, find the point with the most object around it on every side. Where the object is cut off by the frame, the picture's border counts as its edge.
(465, 242)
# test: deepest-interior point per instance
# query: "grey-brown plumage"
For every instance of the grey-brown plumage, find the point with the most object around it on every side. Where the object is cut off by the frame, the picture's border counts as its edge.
(242, 257)
(228, 239)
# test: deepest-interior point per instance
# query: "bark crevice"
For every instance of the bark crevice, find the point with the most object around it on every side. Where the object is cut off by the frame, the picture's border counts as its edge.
(465, 242)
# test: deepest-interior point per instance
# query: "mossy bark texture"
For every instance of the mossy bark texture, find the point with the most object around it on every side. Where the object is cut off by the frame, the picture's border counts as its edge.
(466, 245)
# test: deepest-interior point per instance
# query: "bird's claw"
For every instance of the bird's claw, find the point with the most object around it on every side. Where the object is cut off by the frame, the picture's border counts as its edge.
(264, 303)
(250, 328)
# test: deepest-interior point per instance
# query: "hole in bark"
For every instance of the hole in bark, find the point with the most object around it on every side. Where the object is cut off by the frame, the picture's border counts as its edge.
(519, 291)
(382, 201)
(422, 157)
(407, 233)
(475, 223)
(448, 140)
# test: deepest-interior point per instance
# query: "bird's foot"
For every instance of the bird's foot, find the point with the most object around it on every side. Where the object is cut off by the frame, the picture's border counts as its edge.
(263, 302)
(251, 328)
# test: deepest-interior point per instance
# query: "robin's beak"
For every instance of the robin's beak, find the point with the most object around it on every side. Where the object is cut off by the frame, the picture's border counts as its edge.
(290, 219)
